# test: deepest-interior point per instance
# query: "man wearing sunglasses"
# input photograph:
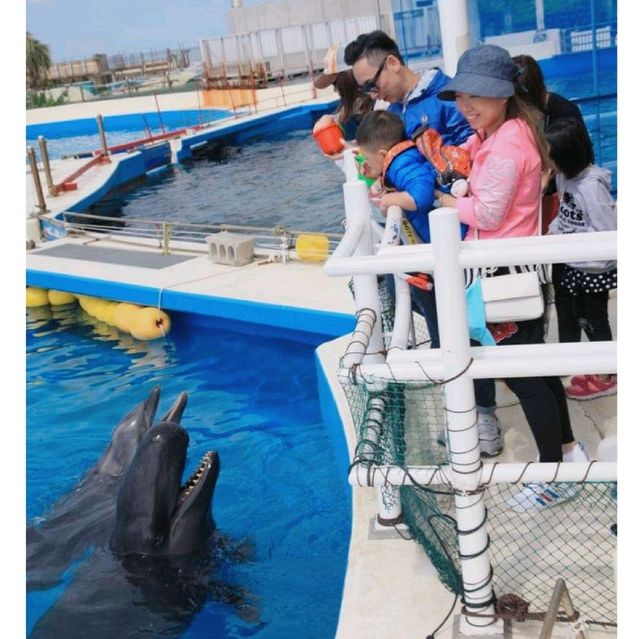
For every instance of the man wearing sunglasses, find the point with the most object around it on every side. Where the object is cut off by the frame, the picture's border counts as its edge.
(380, 72)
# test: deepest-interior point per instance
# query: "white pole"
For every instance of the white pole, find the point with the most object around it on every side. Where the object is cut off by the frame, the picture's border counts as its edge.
(540, 15)
(358, 214)
(460, 403)
(454, 32)
(526, 360)
(402, 315)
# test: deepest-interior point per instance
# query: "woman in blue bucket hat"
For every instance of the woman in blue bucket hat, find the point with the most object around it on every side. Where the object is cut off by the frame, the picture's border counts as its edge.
(509, 155)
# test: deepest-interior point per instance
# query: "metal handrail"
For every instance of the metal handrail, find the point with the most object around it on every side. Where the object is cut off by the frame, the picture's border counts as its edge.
(277, 237)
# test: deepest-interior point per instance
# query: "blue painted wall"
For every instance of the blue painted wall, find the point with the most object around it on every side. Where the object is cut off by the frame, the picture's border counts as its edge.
(126, 122)
(306, 325)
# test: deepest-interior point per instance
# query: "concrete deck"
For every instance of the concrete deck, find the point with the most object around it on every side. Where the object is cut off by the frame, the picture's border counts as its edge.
(270, 292)
(88, 182)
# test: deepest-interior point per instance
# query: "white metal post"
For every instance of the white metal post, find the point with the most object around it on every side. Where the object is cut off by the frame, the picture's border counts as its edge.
(464, 449)
(358, 214)
(454, 32)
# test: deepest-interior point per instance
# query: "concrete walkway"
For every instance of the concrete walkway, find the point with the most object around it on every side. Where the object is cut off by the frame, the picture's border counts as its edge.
(267, 99)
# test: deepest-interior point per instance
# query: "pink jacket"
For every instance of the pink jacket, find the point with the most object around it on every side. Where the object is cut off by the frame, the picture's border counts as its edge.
(505, 184)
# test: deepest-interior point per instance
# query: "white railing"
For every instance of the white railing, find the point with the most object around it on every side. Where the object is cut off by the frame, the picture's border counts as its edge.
(456, 362)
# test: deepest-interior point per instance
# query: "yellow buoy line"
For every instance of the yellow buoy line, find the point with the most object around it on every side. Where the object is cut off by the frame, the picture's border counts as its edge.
(142, 322)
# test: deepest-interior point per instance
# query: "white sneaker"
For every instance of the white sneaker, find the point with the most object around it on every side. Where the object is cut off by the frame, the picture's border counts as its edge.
(577, 454)
(489, 434)
(541, 496)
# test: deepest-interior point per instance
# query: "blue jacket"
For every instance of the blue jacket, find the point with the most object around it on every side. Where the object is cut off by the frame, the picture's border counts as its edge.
(424, 108)
(409, 171)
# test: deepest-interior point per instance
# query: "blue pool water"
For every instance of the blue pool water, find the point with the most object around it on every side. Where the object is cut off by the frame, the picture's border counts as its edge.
(255, 401)
(282, 180)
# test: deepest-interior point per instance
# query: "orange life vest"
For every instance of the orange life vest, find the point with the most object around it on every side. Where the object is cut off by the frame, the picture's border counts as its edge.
(451, 163)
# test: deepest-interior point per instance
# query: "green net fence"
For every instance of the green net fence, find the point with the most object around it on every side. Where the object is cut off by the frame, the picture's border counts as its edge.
(419, 332)
(403, 424)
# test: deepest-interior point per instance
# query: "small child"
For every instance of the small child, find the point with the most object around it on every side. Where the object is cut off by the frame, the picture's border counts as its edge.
(406, 179)
(582, 289)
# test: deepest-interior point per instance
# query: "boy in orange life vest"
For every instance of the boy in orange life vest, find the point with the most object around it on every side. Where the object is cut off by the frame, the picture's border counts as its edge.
(406, 179)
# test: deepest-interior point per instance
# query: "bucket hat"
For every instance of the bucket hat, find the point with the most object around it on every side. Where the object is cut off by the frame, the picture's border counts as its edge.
(485, 70)
(333, 64)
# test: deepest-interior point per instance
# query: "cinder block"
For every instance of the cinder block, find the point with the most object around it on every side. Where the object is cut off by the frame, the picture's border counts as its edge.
(230, 248)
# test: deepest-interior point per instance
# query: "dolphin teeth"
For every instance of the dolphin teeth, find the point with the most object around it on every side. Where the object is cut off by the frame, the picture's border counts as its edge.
(188, 487)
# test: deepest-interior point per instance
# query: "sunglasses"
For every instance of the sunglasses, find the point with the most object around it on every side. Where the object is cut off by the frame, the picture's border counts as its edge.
(371, 86)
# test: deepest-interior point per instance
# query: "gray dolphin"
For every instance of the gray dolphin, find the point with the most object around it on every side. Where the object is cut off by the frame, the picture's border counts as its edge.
(155, 514)
(81, 518)
(156, 567)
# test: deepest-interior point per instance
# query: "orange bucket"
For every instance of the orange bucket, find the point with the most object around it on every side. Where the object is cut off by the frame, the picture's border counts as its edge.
(328, 138)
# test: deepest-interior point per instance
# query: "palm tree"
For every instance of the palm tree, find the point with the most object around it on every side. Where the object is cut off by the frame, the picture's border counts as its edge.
(38, 62)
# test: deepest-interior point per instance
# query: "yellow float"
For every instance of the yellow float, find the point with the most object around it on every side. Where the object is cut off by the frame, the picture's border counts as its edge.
(312, 247)
(86, 303)
(109, 314)
(36, 297)
(60, 298)
(123, 314)
(149, 323)
(143, 322)
(100, 309)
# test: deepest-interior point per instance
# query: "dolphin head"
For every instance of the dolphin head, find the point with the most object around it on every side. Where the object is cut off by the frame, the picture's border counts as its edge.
(127, 434)
(155, 514)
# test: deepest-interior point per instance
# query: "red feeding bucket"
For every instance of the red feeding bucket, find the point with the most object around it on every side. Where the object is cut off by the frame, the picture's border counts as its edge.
(329, 138)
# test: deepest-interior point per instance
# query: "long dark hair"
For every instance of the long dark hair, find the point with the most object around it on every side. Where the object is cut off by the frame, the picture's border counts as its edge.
(352, 101)
(531, 81)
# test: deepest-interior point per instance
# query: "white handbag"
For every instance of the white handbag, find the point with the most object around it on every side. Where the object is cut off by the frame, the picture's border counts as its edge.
(513, 297)
(516, 296)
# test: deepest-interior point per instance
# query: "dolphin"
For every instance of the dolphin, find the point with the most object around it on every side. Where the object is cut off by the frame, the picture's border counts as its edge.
(78, 518)
(154, 513)
(154, 564)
